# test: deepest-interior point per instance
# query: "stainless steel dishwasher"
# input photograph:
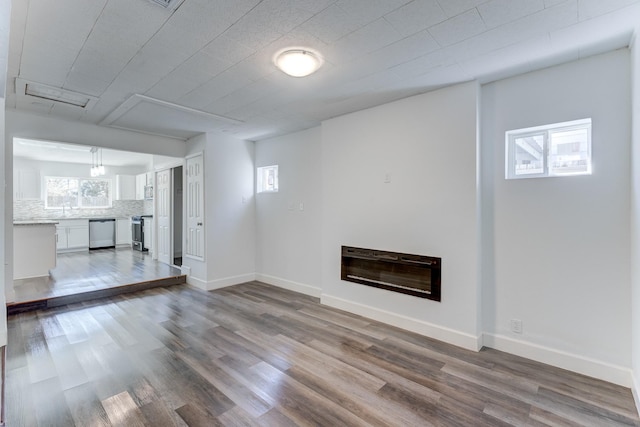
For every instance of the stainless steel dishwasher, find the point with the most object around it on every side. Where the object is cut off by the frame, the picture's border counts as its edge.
(102, 233)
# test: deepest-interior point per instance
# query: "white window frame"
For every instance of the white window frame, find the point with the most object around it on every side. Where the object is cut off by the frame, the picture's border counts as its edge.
(545, 131)
(261, 186)
(78, 204)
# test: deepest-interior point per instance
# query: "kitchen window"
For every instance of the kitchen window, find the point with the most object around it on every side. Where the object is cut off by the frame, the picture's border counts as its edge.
(560, 149)
(77, 193)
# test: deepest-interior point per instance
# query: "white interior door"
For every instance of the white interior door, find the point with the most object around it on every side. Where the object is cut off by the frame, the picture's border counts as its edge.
(194, 244)
(163, 216)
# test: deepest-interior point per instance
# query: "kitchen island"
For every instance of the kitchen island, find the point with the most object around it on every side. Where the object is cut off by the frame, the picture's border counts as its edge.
(34, 248)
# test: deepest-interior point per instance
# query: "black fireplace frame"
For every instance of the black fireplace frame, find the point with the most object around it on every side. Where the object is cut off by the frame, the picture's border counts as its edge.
(416, 275)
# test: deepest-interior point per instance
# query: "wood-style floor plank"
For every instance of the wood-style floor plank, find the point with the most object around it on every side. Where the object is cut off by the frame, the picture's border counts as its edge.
(257, 355)
(88, 275)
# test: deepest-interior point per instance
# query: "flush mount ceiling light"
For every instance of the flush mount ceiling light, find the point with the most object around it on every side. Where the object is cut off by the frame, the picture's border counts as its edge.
(298, 62)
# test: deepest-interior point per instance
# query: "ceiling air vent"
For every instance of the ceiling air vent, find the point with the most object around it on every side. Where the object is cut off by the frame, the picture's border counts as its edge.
(168, 4)
(42, 94)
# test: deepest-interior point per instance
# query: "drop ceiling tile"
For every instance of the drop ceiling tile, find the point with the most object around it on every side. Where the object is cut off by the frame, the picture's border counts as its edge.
(456, 7)
(103, 63)
(88, 84)
(416, 16)
(315, 6)
(173, 87)
(201, 20)
(596, 36)
(228, 50)
(130, 22)
(370, 10)
(268, 21)
(424, 64)
(497, 12)
(402, 51)
(588, 9)
(67, 112)
(518, 31)
(140, 75)
(53, 75)
(221, 85)
(369, 38)
(332, 24)
(550, 3)
(458, 28)
(42, 56)
(241, 97)
(506, 61)
(220, 12)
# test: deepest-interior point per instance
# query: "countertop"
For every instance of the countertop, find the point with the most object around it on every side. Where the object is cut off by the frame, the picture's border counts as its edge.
(36, 222)
(44, 220)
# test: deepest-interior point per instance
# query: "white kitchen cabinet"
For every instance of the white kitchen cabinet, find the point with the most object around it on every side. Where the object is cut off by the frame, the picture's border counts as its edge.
(126, 187)
(123, 231)
(141, 181)
(148, 234)
(26, 184)
(34, 250)
(73, 235)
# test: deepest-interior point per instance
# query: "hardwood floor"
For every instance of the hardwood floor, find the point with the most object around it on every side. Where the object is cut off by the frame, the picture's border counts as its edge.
(81, 276)
(254, 354)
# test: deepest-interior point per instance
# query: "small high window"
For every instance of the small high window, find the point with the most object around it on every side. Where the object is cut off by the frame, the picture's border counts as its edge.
(560, 149)
(268, 179)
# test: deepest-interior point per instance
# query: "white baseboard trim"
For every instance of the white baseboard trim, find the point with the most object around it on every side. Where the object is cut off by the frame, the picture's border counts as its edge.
(220, 283)
(194, 281)
(289, 285)
(561, 359)
(635, 389)
(448, 335)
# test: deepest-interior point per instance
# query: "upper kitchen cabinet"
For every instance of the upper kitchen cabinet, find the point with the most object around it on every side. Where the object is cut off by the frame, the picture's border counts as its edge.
(144, 180)
(141, 182)
(126, 187)
(26, 184)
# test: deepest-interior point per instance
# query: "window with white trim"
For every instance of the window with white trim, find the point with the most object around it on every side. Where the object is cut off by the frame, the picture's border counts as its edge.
(267, 179)
(560, 149)
(77, 193)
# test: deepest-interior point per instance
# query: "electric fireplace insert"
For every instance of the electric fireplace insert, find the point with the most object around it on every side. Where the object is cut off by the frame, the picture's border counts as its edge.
(416, 275)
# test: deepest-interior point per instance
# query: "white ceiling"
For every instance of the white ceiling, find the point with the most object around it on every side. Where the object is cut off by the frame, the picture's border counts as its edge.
(48, 151)
(208, 64)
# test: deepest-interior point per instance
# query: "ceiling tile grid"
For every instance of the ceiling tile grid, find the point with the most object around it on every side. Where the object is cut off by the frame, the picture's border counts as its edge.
(416, 16)
(216, 56)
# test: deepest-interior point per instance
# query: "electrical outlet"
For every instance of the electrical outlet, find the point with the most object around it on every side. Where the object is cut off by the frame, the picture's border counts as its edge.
(387, 178)
(516, 326)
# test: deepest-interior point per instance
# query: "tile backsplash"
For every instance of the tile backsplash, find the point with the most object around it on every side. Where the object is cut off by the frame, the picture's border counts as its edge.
(25, 210)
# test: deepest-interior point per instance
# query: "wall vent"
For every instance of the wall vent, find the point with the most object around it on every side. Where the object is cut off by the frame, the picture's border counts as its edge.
(168, 4)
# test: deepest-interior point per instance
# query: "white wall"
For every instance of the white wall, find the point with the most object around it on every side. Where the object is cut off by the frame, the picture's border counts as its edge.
(427, 144)
(229, 212)
(635, 218)
(6, 249)
(561, 245)
(32, 126)
(289, 223)
(73, 169)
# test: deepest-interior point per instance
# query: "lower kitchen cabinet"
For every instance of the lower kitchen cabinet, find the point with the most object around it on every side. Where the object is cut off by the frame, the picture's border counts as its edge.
(123, 231)
(72, 235)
